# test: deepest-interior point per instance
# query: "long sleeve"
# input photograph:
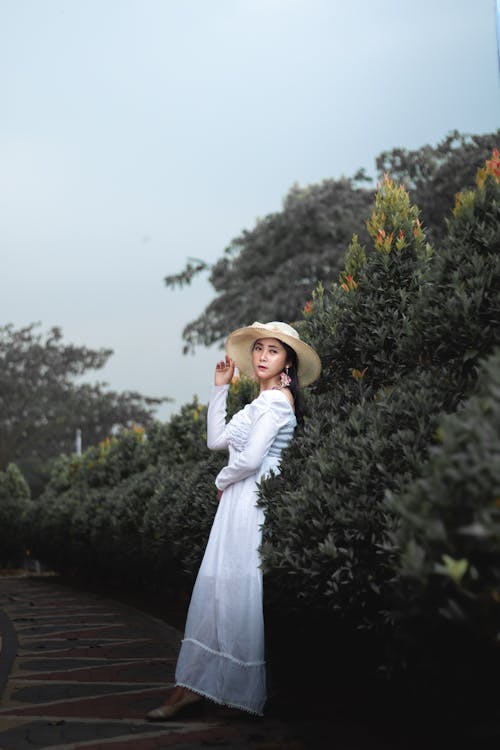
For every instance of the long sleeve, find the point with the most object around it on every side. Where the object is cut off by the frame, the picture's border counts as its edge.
(264, 429)
(216, 418)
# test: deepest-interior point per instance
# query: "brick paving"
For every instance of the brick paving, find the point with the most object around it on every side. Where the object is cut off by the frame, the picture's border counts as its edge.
(81, 671)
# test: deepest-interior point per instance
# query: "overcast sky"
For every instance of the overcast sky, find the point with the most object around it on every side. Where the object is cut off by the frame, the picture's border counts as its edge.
(136, 133)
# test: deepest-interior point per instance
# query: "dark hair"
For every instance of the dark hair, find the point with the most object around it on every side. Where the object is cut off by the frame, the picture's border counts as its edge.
(294, 385)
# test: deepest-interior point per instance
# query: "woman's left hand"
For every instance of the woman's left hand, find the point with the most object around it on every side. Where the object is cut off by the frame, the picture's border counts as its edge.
(219, 494)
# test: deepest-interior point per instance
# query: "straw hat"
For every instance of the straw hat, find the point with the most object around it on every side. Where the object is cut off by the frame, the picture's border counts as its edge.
(239, 348)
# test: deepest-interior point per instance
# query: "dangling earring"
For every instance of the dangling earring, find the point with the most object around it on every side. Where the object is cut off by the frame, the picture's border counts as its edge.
(285, 378)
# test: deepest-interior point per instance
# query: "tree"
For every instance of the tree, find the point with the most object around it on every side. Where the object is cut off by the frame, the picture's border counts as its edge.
(41, 406)
(435, 174)
(268, 272)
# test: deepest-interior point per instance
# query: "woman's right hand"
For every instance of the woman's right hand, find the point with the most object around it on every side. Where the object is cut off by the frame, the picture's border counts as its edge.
(224, 371)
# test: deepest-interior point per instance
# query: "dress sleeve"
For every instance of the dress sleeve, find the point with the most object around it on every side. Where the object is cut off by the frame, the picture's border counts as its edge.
(267, 421)
(216, 418)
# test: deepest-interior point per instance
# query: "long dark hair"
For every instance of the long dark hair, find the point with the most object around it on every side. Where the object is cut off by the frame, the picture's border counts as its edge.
(294, 386)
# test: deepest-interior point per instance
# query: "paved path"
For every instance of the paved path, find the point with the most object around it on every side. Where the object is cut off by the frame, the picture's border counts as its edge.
(80, 671)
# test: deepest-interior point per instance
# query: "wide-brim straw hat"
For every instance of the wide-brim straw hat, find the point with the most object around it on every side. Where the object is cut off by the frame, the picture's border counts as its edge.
(239, 345)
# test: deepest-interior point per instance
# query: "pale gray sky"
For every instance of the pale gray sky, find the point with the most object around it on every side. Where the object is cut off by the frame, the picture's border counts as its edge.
(136, 133)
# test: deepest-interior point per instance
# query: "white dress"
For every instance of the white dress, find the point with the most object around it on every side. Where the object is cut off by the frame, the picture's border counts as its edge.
(222, 653)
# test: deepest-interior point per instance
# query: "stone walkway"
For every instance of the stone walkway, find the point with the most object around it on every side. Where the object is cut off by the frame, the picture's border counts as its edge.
(80, 671)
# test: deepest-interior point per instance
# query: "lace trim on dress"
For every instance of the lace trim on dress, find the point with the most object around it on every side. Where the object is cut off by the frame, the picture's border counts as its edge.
(217, 700)
(225, 656)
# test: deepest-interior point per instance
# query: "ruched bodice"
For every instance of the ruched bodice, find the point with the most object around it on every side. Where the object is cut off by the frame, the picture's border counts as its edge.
(255, 435)
(239, 428)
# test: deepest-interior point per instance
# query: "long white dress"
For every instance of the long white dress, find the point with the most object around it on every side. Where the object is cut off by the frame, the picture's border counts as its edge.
(222, 653)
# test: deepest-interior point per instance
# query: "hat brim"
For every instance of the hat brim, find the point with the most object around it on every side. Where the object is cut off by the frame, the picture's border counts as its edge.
(239, 348)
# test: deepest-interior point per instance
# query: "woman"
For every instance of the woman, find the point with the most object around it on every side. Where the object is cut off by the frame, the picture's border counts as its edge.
(222, 654)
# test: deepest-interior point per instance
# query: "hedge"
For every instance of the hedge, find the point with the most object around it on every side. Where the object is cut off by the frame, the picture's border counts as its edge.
(15, 504)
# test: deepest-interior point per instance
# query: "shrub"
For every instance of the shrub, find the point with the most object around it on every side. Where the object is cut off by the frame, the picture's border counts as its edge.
(73, 524)
(135, 505)
(368, 419)
(400, 337)
(14, 507)
(448, 533)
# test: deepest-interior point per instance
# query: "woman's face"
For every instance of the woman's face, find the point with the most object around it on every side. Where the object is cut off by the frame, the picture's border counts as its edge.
(268, 359)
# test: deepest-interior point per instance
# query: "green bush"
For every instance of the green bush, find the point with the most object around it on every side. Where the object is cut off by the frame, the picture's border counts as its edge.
(14, 507)
(369, 419)
(86, 519)
(448, 534)
(136, 505)
(400, 339)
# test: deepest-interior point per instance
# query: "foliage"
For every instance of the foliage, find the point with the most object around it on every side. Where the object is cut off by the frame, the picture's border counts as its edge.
(368, 421)
(134, 505)
(14, 506)
(42, 406)
(433, 175)
(448, 533)
(140, 503)
(269, 272)
(401, 346)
